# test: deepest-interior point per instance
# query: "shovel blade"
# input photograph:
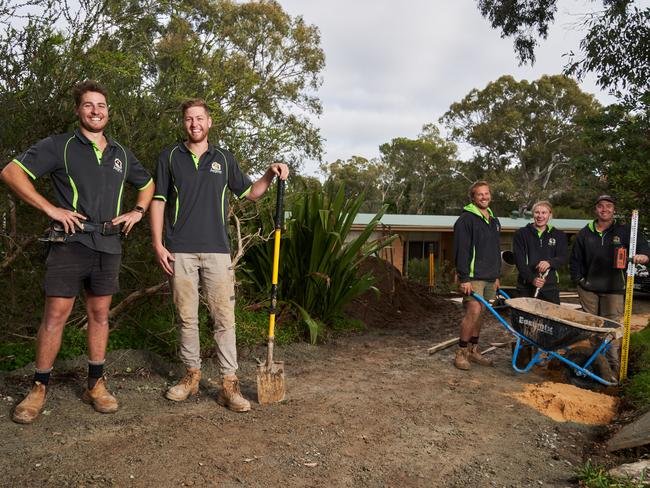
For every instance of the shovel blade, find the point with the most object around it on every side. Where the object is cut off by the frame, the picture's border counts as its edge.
(271, 387)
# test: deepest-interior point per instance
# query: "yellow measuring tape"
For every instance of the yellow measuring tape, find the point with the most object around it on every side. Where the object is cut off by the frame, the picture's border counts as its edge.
(629, 289)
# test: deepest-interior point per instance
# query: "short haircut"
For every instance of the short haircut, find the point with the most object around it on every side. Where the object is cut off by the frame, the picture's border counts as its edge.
(475, 185)
(194, 102)
(543, 203)
(87, 86)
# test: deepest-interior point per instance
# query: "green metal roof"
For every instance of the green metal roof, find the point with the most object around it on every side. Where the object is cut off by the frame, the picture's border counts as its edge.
(441, 222)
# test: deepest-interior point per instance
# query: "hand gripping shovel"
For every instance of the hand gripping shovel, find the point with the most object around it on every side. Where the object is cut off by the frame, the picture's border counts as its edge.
(542, 276)
(270, 375)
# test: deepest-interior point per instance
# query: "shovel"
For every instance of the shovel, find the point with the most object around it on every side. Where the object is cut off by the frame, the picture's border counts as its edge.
(270, 375)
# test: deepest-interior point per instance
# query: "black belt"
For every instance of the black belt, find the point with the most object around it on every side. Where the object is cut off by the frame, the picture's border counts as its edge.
(105, 228)
(56, 232)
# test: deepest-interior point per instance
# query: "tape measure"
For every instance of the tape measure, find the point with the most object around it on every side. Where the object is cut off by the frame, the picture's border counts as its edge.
(629, 289)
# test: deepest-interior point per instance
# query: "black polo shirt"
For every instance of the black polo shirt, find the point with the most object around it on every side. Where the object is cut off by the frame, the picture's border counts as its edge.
(86, 180)
(195, 191)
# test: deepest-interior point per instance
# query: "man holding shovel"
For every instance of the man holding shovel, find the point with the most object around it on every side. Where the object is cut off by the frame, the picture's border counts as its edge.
(477, 253)
(190, 204)
(540, 250)
(598, 263)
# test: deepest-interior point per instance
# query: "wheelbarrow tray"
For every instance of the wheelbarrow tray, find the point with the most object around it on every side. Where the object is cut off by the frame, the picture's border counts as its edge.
(553, 329)
(550, 326)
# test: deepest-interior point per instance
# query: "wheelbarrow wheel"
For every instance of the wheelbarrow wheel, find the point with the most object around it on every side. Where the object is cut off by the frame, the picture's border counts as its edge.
(599, 366)
(526, 353)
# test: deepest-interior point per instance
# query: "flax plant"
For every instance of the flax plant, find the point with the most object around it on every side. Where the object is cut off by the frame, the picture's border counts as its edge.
(319, 258)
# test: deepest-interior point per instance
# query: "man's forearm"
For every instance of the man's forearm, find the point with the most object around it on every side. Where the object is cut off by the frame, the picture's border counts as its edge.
(156, 219)
(144, 197)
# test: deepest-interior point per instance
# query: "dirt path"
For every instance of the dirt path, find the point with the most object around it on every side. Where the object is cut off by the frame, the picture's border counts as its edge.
(368, 410)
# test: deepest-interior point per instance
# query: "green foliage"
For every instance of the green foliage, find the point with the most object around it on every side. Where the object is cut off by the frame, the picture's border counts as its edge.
(418, 271)
(423, 174)
(592, 475)
(615, 47)
(620, 154)
(526, 136)
(318, 257)
(253, 329)
(412, 176)
(637, 389)
(257, 67)
(152, 326)
(359, 175)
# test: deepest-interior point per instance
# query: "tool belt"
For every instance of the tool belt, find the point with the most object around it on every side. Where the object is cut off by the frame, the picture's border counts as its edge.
(56, 232)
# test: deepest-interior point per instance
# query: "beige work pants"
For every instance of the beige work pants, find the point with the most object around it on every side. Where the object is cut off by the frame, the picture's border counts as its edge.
(610, 306)
(215, 274)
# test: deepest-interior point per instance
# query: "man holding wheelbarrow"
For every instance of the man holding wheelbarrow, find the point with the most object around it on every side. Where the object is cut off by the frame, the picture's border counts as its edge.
(540, 250)
(477, 253)
(191, 206)
(598, 263)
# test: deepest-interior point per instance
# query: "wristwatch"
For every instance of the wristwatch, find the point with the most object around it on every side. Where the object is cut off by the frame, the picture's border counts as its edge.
(138, 208)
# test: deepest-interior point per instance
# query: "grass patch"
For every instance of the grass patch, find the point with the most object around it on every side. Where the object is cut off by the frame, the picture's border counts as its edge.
(596, 476)
(152, 326)
(637, 389)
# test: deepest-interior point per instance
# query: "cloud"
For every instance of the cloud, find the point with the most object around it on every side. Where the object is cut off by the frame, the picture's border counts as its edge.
(391, 68)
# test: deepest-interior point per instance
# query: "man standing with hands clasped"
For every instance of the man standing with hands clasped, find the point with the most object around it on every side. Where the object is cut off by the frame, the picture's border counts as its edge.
(540, 250)
(88, 171)
(477, 254)
(191, 205)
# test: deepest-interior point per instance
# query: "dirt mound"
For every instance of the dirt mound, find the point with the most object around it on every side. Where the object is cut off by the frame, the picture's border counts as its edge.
(568, 403)
(401, 302)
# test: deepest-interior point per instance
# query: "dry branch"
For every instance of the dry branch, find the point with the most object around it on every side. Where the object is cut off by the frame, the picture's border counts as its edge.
(6, 262)
(443, 345)
(136, 295)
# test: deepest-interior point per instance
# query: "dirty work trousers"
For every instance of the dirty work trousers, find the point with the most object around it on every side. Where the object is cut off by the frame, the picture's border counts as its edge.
(213, 271)
(610, 306)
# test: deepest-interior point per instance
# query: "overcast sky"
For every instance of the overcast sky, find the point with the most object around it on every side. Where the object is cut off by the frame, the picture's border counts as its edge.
(392, 67)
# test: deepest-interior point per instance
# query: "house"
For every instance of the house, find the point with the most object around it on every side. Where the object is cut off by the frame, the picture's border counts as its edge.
(419, 234)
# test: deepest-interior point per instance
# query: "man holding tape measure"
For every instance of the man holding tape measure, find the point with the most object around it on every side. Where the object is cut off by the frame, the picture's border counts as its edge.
(598, 264)
(191, 205)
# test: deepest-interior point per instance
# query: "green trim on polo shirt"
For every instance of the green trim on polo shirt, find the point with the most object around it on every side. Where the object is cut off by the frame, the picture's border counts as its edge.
(145, 186)
(223, 197)
(160, 197)
(75, 193)
(124, 172)
(248, 190)
(195, 158)
(98, 152)
(178, 204)
(21, 166)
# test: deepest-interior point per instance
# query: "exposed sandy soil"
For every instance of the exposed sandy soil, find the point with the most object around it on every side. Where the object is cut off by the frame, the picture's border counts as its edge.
(368, 410)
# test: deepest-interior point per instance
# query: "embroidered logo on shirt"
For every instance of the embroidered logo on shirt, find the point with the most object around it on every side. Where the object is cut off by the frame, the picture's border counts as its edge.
(551, 241)
(616, 240)
(117, 166)
(215, 167)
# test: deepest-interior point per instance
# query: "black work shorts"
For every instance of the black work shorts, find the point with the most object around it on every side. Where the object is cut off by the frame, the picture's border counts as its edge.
(69, 265)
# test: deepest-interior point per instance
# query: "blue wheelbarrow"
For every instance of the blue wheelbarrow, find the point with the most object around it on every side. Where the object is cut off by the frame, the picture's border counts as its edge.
(552, 332)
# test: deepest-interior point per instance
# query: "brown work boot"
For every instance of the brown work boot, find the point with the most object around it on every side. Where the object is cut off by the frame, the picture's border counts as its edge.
(461, 361)
(230, 396)
(476, 356)
(28, 410)
(100, 398)
(187, 386)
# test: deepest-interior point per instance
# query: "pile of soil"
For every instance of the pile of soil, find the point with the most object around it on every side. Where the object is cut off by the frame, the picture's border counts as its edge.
(400, 302)
(568, 403)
